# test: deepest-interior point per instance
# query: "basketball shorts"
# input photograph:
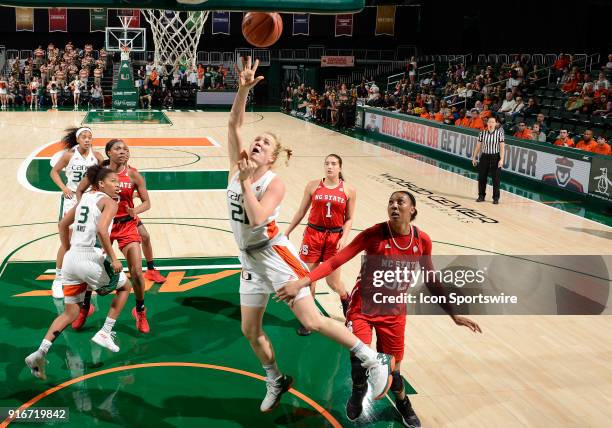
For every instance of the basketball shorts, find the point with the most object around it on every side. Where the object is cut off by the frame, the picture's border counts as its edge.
(66, 205)
(88, 269)
(389, 332)
(318, 246)
(125, 232)
(267, 269)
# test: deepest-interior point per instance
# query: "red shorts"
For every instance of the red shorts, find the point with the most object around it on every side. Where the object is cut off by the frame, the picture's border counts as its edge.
(389, 332)
(125, 233)
(318, 246)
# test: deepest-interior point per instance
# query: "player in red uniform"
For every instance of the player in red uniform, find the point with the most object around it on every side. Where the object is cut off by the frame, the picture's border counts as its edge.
(125, 225)
(395, 237)
(332, 206)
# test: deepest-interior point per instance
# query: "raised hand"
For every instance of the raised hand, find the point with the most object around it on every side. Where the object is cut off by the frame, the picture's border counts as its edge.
(246, 77)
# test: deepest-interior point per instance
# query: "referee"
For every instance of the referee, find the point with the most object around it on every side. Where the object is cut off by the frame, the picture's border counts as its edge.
(491, 140)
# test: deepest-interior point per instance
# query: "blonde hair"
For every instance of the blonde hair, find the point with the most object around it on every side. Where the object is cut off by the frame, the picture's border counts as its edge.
(280, 149)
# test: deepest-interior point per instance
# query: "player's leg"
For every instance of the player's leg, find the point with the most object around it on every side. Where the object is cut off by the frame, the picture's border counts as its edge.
(37, 360)
(105, 337)
(133, 256)
(151, 273)
(390, 332)
(379, 366)
(361, 328)
(301, 330)
(252, 309)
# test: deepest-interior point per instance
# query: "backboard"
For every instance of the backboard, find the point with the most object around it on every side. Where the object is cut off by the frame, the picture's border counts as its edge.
(132, 38)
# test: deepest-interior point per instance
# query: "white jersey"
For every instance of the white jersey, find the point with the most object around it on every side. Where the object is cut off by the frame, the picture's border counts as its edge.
(86, 219)
(77, 167)
(246, 235)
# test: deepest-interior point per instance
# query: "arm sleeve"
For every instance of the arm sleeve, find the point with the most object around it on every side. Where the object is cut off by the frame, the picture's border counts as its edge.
(356, 246)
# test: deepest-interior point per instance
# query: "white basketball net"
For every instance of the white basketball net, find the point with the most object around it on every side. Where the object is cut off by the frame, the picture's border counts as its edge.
(176, 35)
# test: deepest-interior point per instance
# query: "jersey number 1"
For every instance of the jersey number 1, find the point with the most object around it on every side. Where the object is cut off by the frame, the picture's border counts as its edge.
(328, 205)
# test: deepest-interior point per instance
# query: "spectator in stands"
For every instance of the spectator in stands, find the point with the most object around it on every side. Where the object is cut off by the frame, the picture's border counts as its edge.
(532, 108)
(462, 120)
(603, 106)
(571, 84)
(602, 147)
(537, 134)
(609, 64)
(476, 121)
(168, 102)
(519, 107)
(362, 91)
(564, 139)
(145, 95)
(508, 106)
(97, 100)
(587, 143)
(523, 132)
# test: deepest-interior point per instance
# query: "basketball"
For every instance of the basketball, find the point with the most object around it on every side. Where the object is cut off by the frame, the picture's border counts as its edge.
(262, 29)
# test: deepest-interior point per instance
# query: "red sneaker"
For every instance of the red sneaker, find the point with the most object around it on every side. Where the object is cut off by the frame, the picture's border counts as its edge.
(78, 323)
(141, 320)
(154, 275)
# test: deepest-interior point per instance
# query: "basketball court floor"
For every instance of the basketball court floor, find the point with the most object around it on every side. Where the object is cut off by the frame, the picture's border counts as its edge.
(196, 370)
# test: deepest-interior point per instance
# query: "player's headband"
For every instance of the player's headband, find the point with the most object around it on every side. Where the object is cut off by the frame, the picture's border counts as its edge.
(81, 130)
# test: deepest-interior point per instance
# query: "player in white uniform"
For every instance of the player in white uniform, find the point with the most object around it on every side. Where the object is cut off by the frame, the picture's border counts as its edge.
(89, 264)
(254, 194)
(75, 159)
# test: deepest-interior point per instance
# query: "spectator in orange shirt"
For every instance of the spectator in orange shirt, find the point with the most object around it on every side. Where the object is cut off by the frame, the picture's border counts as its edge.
(425, 114)
(523, 132)
(438, 117)
(485, 113)
(462, 121)
(476, 122)
(564, 140)
(587, 143)
(602, 148)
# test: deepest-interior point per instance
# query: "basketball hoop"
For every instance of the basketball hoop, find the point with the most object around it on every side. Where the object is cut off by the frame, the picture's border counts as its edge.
(176, 35)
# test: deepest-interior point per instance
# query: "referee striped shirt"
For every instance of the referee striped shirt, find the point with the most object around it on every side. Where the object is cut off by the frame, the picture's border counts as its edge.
(490, 140)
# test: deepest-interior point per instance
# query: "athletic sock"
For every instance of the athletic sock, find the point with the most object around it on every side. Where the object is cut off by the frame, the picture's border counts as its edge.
(140, 305)
(108, 325)
(150, 265)
(44, 346)
(363, 352)
(86, 301)
(272, 371)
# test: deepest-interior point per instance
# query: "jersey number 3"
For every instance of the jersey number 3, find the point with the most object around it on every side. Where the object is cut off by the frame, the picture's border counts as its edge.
(83, 215)
(239, 214)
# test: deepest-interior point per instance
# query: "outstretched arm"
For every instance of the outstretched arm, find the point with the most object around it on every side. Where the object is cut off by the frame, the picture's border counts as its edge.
(303, 209)
(246, 80)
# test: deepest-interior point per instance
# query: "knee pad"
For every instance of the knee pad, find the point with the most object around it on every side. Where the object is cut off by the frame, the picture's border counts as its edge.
(358, 373)
(397, 383)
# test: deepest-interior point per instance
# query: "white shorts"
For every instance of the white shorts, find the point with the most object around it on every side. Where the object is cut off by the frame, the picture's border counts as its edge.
(2, 91)
(266, 270)
(66, 205)
(88, 269)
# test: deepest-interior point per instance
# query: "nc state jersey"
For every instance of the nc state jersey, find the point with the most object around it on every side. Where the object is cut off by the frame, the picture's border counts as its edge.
(126, 194)
(328, 206)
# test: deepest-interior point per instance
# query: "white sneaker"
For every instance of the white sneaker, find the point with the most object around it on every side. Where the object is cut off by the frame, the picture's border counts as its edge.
(106, 340)
(57, 289)
(37, 361)
(275, 390)
(379, 374)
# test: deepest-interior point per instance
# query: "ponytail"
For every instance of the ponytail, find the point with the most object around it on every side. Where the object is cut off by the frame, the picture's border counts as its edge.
(97, 173)
(69, 140)
(280, 149)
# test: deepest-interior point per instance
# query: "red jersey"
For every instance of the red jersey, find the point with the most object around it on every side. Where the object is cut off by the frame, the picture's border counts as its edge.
(377, 241)
(328, 206)
(126, 194)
